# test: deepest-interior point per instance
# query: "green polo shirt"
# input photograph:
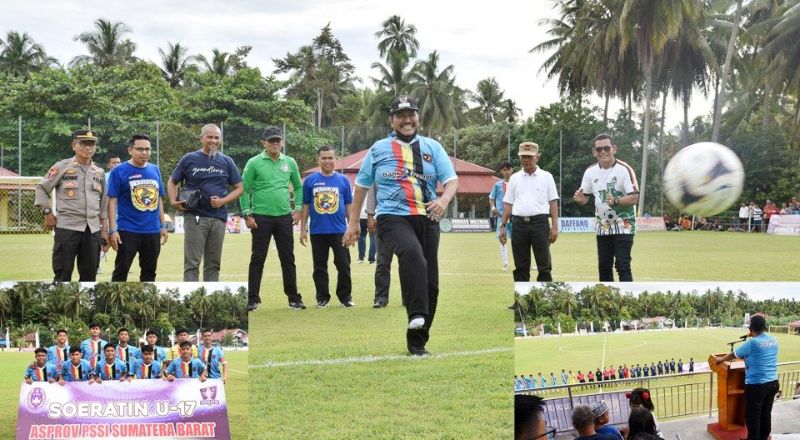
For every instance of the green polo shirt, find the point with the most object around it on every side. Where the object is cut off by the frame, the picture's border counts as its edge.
(266, 185)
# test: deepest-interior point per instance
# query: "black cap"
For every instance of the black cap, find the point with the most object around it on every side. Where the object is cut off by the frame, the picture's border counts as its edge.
(758, 323)
(272, 133)
(84, 135)
(403, 102)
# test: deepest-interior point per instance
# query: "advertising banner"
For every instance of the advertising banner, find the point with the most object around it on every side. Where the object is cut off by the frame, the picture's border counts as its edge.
(464, 225)
(784, 225)
(140, 409)
(650, 224)
(576, 224)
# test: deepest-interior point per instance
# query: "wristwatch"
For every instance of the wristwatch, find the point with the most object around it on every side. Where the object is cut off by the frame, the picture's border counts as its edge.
(47, 211)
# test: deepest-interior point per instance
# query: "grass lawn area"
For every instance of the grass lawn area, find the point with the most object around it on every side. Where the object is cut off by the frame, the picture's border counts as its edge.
(657, 256)
(14, 364)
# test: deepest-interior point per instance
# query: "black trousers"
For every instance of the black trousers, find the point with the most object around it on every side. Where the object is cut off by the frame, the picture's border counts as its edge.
(614, 251)
(758, 401)
(279, 227)
(383, 270)
(320, 245)
(533, 234)
(148, 246)
(415, 241)
(69, 244)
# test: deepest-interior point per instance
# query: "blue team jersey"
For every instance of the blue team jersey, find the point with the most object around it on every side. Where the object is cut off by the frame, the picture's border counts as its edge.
(129, 355)
(114, 371)
(497, 194)
(760, 356)
(213, 357)
(93, 351)
(138, 191)
(80, 373)
(152, 371)
(182, 370)
(159, 354)
(327, 198)
(58, 356)
(406, 174)
(42, 374)
(211, 176)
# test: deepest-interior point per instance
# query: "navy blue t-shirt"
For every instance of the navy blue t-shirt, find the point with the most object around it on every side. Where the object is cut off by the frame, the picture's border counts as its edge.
(138, 191)
(327, 198)
(211, 176)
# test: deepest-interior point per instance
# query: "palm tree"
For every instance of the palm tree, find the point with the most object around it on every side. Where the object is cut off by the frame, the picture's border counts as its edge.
(509, 112)
(74, 296)
(737, 15)
(652, 23)
(433, 91)
(175, 64)
(784, 53)
(21, 55)
(200, 303)
(393, 77)
(106, 45)
(25, 292)
(489, 98)
(221, 63)
(5, 306)
(397, 37)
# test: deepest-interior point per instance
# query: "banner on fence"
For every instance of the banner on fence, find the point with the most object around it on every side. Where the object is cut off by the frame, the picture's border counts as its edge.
(784, 225)
(464, 225)
(650, 224)
(153, 409)
(576, 224)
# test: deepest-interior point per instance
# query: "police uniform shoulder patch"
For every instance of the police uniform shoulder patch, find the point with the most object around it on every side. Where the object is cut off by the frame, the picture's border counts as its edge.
(52, 172)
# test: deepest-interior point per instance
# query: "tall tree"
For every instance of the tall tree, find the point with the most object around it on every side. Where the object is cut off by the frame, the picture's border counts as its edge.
(175, 63)
(106, 44)
(220, 63)
(21, 55)
(398, 37)
(489, 97)
(726, 68)
(434, 91)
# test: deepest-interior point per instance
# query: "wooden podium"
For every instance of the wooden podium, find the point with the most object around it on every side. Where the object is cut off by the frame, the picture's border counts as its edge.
(730, 399)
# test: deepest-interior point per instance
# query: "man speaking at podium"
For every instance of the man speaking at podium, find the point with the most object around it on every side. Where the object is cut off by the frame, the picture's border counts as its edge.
(760, 354)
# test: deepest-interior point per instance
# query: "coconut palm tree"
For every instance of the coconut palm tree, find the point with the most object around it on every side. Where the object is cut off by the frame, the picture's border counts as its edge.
(106, 44)
(221, 63)
(783, 52)
(200, 303)
(175, 63)
(433, 90)
(398, 37)
(726, 70)
(20, 55)
(5, 306)
(489, 97)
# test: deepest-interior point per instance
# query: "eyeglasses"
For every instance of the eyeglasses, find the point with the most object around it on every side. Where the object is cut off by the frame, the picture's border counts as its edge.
(274, 141)
(549, 433)
(603, 149)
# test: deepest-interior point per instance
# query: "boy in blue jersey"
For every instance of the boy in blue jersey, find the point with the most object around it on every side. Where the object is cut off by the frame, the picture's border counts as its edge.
(59, 354)
(148, 367)
(214, 358)
(406, 168)
(186, 367)
(111, 368)
(496, 202)
(76, 370)
(40, 370)
(159, 353)
(135, 207)
(327, 201)
(760, 354)
(127, 353)
(92, 348)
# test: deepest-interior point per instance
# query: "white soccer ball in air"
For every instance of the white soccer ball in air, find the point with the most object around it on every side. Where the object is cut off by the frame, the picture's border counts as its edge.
(704, 179)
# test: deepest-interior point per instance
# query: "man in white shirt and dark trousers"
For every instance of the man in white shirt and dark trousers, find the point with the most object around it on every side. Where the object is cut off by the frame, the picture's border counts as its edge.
(531, 198)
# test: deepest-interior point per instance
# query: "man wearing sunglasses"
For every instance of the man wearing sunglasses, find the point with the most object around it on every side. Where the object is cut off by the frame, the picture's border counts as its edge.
(613, 184)
(529, 421)
(80, 204)
(270, 212)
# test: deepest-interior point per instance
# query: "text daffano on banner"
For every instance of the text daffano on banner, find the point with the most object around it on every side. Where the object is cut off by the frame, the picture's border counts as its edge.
(183, 409)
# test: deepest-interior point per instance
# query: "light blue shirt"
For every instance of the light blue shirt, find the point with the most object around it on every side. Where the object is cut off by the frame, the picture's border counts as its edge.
(760, 354)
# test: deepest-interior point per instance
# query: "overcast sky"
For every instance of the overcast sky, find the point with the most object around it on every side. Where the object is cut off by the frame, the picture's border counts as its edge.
(481, 39)
(755, 291)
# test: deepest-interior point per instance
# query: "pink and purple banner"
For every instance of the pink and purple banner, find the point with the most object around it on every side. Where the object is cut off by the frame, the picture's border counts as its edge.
(140, 409)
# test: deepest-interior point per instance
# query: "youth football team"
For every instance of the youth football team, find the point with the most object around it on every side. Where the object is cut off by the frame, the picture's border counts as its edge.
(97, 360)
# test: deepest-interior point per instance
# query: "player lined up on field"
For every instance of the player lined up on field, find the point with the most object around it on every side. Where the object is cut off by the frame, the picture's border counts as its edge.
(96, 360)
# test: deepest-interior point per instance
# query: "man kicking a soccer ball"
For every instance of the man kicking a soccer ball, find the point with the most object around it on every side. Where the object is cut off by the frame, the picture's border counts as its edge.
(613, 184)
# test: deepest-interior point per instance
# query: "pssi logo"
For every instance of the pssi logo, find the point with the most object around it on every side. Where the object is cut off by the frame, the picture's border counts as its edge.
(36, 398)
(209, 396)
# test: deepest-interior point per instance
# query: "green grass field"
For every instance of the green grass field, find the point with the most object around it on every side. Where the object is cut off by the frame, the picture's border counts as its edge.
(657, 256)
(569, 352)
(14, 364)
(340, 373)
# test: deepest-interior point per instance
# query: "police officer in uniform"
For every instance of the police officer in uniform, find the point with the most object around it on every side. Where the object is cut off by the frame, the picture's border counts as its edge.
(80, 211)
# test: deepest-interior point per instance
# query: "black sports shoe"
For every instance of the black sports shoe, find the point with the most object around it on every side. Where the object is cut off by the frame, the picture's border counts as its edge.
(349, 303)
(421, 352)
(252, 307)
(297, 305)
(320, 304)
(379, 303)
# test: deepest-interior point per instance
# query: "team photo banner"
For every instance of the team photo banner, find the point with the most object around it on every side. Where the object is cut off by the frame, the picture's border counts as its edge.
(140, 409)
(784, 225)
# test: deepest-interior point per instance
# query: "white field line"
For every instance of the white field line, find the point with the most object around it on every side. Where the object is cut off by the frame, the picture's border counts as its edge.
(605, 340)
(237, 371)
(370, 358)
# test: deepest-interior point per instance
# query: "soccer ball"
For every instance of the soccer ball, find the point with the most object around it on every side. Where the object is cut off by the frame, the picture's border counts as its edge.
(704, 179)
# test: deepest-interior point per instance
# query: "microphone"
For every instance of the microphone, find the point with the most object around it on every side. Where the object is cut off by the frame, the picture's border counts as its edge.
(744, 338)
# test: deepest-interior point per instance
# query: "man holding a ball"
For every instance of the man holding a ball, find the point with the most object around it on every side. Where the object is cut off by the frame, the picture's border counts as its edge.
(616, 193)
